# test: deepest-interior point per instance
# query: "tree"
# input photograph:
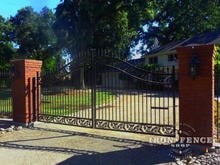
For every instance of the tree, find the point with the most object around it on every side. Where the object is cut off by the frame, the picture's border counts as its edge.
(106, 24)
(6, 48)
(34, 36)
(181, 19)
(101, 24)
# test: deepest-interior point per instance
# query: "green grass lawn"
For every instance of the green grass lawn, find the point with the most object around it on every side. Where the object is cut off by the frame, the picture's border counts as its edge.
(65, 102)
(59, 101)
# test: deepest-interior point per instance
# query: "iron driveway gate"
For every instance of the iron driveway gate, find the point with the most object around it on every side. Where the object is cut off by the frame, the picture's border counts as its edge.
(98, 90)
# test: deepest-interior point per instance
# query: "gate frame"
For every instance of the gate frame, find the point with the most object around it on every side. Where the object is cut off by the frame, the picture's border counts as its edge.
(155, 127)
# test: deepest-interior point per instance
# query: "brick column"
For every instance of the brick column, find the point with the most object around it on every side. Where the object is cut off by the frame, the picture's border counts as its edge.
(22, 89)
(196, 95)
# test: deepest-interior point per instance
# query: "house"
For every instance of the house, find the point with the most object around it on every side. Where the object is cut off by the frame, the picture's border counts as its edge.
(166, 55)
(120, 75)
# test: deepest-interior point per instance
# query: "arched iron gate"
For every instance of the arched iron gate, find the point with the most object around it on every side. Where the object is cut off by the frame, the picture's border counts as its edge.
(104, 92)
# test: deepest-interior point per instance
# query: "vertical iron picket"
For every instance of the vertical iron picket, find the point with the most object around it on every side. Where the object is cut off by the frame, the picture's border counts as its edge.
(174, 99)
(93, 62)
(34, 99)
(38, 97)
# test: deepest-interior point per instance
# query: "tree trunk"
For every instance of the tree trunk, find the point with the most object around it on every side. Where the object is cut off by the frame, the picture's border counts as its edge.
(82, 78)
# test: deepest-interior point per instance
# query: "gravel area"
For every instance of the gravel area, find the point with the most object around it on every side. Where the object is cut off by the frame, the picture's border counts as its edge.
(209, 158)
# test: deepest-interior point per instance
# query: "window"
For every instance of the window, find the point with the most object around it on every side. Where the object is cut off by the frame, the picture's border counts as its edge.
(153, 60)
(172, 57)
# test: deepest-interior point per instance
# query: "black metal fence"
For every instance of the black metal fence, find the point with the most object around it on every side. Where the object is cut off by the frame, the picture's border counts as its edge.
(105, 92)
(5, 94)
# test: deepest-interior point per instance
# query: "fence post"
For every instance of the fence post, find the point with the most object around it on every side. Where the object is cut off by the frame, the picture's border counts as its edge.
(93, 63)
(22, 89)
(196, 94)
(174, 98)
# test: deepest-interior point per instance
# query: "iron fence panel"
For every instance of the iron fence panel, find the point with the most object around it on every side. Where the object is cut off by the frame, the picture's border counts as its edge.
(102, 91)
(5, 94)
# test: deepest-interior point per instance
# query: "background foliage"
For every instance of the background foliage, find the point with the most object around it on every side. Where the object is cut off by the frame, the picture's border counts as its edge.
(113, 25)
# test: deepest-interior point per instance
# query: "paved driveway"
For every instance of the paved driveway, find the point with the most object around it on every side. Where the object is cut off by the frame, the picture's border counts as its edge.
(47, 144)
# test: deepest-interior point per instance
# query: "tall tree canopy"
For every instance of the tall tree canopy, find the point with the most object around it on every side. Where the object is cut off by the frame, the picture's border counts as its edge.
(180, 19)
(101, 24)
(34, 36)
(106, 24)
(6, 48)
(114, 25)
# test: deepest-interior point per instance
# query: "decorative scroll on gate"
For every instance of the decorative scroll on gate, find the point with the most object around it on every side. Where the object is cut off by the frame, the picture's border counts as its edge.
(66, 120)
(138, 128)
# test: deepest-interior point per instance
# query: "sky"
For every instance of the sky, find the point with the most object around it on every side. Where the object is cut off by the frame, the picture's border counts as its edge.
(10, 7)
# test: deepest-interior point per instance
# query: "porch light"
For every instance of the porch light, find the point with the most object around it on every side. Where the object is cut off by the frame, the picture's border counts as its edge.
(194, 67)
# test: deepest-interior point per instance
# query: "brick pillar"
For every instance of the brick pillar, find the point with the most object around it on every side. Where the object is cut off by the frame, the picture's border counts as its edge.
(196, 95)
(22, 89)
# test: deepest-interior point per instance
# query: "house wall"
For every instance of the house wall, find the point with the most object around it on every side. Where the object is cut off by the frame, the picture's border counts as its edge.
(162, 60)
(112, 80)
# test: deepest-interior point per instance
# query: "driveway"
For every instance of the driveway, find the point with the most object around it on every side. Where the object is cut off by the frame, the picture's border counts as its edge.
(46, 144)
